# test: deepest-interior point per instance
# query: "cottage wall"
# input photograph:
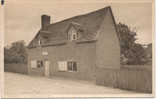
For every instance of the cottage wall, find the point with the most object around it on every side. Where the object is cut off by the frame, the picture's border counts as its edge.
(107, 53)
(35, 54)
(107, 46)
(83, 54)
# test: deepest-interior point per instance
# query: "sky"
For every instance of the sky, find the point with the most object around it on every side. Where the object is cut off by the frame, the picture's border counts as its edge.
(23, 17)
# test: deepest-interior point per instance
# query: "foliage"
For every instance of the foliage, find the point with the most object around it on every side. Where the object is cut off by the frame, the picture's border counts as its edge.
(16, 53)
(132, 53)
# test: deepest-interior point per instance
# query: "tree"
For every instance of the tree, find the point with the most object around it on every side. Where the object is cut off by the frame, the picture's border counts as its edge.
(132, 53)
(16, 53)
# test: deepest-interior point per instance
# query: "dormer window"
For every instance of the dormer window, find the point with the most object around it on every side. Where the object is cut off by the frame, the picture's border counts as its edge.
(73, 35)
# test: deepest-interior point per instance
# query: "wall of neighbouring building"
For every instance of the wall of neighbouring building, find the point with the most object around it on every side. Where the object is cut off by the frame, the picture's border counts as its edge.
(137, 78)
(16, 68)
(83, 54)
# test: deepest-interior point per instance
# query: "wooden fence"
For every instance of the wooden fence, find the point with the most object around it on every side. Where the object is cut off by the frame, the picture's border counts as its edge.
(136, 78)
(16, 68)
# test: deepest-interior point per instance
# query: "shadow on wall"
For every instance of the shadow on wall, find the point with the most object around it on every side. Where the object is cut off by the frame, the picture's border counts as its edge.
(16, 68)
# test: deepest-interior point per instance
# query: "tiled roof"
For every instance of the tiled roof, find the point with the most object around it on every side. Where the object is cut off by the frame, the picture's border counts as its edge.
(88, 23)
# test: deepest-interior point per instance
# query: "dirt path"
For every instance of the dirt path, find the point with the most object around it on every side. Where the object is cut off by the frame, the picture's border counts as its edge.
(18, 85)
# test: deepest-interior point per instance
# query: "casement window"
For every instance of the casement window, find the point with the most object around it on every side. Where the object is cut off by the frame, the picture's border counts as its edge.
(33, 64)
(67, 66)
(36, 63)
(62, 65)
(39, 63)
(72, 66)
(73, 35)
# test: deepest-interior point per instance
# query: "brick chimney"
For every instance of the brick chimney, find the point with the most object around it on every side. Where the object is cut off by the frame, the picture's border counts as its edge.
(45, 21)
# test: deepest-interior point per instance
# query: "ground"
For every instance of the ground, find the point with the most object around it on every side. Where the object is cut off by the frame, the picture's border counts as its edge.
(25, 86)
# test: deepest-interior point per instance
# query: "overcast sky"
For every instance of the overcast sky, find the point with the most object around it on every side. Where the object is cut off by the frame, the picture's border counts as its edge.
(22, 17)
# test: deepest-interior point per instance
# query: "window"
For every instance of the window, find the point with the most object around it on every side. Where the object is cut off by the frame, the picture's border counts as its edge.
(62, 65)
(33, 64)
(72, 66)
(67, 66)
(36, 64)
(39, 63)
(73, 35)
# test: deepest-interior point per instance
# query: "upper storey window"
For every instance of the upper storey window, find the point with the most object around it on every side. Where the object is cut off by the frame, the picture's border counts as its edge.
(72, 34)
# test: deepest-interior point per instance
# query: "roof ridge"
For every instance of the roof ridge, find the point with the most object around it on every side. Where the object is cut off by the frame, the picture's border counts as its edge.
(91, 22)
(99, 10)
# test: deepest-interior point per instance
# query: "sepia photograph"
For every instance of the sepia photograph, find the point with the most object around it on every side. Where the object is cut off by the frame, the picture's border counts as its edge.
(78, 48)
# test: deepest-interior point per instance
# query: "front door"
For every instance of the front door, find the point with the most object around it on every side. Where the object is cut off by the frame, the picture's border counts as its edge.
(47, 63)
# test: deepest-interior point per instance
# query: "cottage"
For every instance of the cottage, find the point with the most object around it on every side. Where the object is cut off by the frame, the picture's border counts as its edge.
(77, 47)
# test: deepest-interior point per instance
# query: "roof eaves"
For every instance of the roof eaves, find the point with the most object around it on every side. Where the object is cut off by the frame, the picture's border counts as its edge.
(33, 38)
(86, 41)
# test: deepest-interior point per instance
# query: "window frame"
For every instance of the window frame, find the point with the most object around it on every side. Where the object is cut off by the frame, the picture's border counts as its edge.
(33, 64)
(38, 64)
(72, 34)
(72, 66)
(61, 64)
(69, 66)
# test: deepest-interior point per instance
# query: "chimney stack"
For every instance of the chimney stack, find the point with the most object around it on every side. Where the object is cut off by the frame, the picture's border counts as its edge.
(45, 21)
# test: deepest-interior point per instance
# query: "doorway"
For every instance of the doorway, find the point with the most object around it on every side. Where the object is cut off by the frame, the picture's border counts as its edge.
(47, 71)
